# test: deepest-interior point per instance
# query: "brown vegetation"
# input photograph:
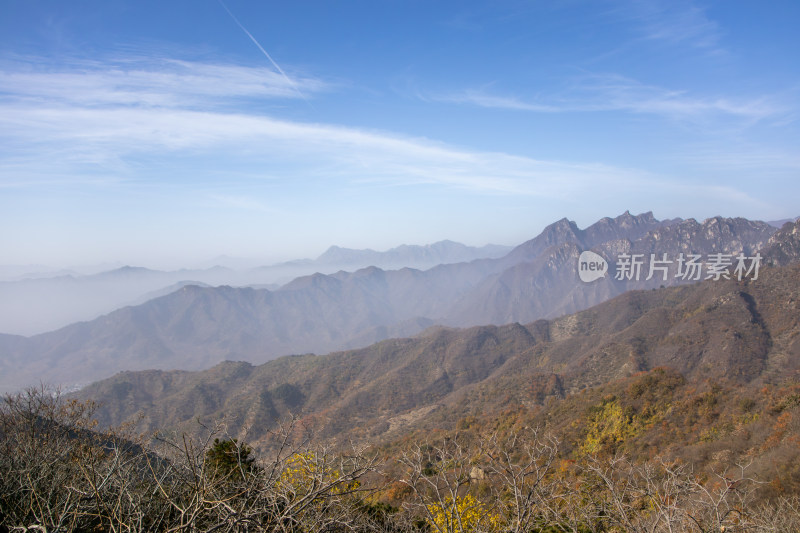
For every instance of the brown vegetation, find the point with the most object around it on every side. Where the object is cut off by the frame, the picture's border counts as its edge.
(57, 473)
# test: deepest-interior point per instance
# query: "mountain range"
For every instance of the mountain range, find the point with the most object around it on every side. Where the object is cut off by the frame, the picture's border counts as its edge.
(740, 333)
(196, 327)
(39, 302)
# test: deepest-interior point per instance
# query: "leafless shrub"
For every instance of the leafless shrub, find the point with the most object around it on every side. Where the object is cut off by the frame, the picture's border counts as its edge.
(527, 490)
(58, 475)
(661, 496)
(439, 476)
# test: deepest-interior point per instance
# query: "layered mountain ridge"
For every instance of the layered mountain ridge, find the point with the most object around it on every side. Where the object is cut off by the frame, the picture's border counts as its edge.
(196, 327)
(729, 331)
(40, 302)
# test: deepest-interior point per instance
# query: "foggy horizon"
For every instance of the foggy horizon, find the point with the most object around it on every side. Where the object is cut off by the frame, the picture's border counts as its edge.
(243, 262)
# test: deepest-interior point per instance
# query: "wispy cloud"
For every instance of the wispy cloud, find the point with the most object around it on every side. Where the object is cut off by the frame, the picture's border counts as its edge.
(119, 135)
(141, 81)
(676, 22)
(480, 98)
(612, 92)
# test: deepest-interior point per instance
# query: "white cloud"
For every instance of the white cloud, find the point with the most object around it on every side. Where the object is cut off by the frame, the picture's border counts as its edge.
(614, 92)
(611, 92)
(146, 82)
(676, 22)
(483, 99)
(109, 137)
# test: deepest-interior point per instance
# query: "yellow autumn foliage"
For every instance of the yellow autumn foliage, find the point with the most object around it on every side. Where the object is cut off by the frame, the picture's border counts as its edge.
(306, 471)
(611, 425)
(465, 515)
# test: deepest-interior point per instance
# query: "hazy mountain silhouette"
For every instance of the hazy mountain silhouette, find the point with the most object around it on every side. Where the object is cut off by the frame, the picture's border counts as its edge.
(42, 302)
(418, 257)
(412, 256)
(35, 305)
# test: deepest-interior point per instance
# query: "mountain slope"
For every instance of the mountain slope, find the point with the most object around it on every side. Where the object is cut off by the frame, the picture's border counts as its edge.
(744, 332)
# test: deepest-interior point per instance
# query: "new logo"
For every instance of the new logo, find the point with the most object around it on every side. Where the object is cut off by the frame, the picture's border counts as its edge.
(591, 266)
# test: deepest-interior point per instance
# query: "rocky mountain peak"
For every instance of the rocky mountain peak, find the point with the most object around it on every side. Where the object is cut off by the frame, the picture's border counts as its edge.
(783, 247)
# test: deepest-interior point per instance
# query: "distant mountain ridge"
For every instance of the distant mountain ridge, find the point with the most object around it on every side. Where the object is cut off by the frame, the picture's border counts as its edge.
(780, 223)
(196, 327)
(30, 305)
(33, 305)
(412, 256)
(418, 257)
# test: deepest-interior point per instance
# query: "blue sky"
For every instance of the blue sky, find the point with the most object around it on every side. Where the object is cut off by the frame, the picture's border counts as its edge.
(166, 133)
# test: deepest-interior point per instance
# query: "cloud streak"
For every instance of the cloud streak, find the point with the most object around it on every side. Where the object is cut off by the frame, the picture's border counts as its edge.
(104, 135)
(146, 82)
(676, 23)
(611, 92)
